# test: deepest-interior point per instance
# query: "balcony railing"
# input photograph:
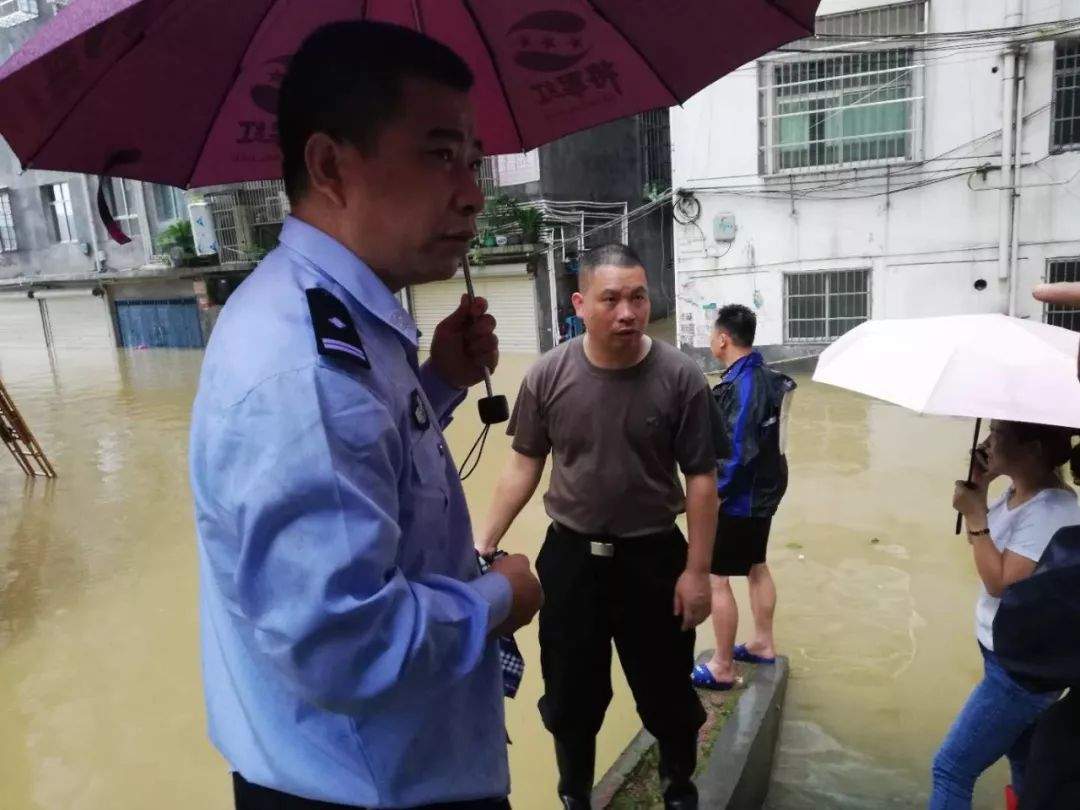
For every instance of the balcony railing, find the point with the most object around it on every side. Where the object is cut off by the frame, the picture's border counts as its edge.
(15, 12)
(247, 219)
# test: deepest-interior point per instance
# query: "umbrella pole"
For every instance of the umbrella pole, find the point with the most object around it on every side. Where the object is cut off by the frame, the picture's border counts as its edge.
(971, 468)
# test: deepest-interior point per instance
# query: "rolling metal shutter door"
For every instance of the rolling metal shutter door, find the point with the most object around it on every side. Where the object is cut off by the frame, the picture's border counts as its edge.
(511, 299)
(20, 324)
(159, 323)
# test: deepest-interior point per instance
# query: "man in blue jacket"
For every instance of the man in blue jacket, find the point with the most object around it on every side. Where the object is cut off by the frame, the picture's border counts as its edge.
(350, 652)
(752, 477)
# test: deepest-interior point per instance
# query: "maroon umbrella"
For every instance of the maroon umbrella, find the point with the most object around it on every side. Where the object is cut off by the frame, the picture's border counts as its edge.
(184, 92)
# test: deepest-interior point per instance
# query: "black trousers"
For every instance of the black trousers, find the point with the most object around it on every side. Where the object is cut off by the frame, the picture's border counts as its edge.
(628, 598)
(256, 797)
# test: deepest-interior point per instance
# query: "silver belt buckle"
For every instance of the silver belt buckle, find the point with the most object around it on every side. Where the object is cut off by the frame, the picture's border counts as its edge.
(598, 549)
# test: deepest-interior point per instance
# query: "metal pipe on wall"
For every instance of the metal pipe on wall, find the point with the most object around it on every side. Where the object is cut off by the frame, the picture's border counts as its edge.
(70, 292)
(91, 216)
(1008, 132)
(1018, 181)
(1014, 15)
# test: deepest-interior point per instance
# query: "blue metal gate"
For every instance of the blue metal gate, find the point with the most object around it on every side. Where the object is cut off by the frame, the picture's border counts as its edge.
(159, 323)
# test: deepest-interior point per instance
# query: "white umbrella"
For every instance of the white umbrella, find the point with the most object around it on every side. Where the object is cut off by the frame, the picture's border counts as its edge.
(980, 366)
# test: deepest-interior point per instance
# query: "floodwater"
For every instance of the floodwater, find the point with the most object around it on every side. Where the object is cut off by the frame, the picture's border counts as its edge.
(100, 689)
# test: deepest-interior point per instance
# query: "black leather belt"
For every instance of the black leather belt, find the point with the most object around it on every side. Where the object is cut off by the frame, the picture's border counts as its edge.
(604, 545)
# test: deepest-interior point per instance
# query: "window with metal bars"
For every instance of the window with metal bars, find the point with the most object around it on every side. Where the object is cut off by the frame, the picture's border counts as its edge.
(169, 204)
(1065, 127)
(825, 111)
(14, 12)
(892, 20)
(1056, 314)
(512, 170)
(654, 134)
(8, 240)
(121, 199)
(248, 218)
(59, 211)
(820, 307)
(486, 177)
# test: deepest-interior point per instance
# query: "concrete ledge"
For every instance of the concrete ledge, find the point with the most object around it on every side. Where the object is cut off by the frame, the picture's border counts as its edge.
(614, 779)
(739, 762)
(738, 772)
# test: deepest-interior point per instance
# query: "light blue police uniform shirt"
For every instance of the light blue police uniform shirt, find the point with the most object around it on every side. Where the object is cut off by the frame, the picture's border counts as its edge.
(346, 654)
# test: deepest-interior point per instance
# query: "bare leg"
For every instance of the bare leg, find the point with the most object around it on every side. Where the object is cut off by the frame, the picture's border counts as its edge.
(763, 606)
(725, 618)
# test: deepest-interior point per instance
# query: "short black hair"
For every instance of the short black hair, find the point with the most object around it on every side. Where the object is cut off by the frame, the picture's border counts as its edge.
(615, 254)
(346, 81)
(739, 322)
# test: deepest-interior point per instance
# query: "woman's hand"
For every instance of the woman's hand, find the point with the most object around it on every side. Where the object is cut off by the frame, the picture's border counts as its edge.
(969, 499)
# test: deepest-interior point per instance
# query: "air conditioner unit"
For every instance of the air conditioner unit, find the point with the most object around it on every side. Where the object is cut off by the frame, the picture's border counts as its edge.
(202, 228)
(14, 12)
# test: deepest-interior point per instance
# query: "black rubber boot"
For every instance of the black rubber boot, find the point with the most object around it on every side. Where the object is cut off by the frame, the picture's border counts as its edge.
(678, 761)
(576, 759)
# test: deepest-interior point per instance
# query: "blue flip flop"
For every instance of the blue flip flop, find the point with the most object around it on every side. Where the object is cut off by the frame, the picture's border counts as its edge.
(702, 678)
(740, 653)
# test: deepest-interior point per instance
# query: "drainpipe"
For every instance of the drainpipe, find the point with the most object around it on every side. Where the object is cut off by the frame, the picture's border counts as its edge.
(1018, 180)
(91, 217)
(553, 294)
(1008, 132)
(1013, 17)
(145, 234)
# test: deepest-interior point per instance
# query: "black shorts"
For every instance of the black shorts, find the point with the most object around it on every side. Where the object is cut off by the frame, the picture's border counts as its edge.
(740, 544)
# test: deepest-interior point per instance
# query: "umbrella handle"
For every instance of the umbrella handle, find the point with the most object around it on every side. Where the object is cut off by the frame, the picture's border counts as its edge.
(971, 468)
(493, 408)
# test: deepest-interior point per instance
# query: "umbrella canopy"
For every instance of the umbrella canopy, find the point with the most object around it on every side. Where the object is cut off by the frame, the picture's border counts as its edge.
(184, 92)
(990, 366)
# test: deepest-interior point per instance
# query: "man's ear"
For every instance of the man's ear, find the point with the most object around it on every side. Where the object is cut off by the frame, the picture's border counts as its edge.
(324, 158)
(578, 300)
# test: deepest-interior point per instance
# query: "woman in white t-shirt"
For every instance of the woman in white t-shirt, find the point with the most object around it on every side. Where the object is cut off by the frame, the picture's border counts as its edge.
(1007, 540)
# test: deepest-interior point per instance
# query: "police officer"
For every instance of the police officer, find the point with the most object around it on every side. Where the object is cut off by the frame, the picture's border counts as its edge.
(349, 642)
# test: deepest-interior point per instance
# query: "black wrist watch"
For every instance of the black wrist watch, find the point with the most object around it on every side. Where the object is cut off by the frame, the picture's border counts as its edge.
(486, 560)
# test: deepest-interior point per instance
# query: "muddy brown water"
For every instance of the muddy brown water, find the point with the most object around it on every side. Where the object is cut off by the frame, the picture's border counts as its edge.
(100, 688)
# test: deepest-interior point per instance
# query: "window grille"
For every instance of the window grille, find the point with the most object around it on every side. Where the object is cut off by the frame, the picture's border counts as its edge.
(820, 307)
(1056, 314)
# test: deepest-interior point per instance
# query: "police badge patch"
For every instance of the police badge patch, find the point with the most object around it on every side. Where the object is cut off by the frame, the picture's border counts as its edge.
(419, 412)
(335, 333)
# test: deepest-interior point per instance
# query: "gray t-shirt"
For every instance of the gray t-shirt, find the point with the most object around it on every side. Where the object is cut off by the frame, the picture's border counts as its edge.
(1025, 530)
(616, 436)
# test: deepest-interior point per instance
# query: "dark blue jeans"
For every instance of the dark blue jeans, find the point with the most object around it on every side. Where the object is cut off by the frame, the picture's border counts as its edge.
(996, 721)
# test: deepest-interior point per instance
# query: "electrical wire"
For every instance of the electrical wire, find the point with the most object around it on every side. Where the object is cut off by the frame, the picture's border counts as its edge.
(808, 188)
(938, 40)
(481, 440)
(948, 44)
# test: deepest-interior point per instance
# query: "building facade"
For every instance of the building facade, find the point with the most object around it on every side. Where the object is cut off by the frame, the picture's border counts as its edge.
(913, 159)
(58, 266)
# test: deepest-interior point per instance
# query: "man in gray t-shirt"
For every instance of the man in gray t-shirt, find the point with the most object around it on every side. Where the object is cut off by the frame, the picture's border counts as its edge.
(620, 414)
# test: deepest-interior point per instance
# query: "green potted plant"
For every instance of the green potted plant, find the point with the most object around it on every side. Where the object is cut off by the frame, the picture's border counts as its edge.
(530, 220)
(177, 242)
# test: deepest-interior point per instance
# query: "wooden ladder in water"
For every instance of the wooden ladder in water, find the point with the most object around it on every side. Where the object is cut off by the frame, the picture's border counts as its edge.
(20, 441)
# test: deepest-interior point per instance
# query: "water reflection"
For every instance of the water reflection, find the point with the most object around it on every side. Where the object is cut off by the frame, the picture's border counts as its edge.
(21, 586)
